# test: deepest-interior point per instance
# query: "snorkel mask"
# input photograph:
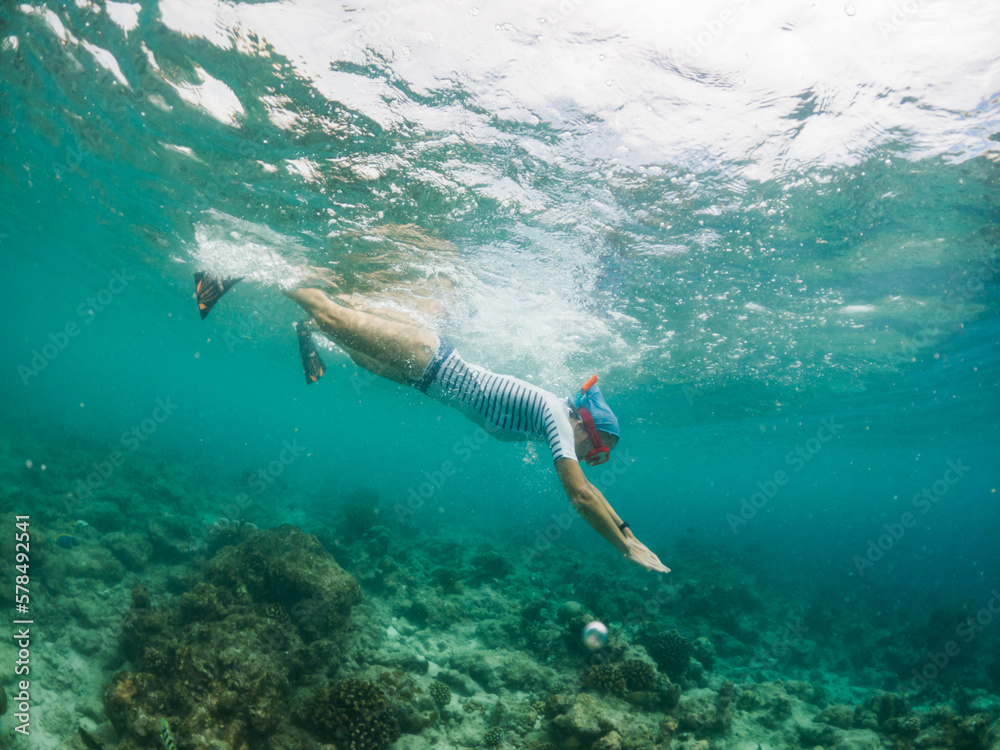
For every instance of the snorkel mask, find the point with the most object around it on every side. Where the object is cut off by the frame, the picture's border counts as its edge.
(593, 409)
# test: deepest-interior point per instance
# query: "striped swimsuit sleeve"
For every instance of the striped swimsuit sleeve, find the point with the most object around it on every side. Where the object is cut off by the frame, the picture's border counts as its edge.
(507, 407)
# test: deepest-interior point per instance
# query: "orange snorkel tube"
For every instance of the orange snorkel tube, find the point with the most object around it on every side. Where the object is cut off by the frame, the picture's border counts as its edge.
(600, 452)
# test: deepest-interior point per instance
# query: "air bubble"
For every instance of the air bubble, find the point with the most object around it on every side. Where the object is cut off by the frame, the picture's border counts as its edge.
(849, 10)
(595, 635)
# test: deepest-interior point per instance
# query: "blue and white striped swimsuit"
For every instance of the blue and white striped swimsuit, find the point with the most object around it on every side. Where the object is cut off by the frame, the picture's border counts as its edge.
(506, 407)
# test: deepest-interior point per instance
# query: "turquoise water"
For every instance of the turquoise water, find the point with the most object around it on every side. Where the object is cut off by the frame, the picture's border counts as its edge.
(771, 231)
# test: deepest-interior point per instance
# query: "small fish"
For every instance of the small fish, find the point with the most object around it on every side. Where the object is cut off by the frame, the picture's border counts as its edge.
(66, 541)
(167, 736)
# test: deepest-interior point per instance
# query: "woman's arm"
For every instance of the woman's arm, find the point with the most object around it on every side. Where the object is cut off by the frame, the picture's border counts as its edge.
(596, 511)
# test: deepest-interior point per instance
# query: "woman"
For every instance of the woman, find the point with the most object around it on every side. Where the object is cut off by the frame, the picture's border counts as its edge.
(579, 429)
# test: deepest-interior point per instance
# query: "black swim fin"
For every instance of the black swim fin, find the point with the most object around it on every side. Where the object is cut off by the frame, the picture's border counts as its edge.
(312, 365)
(209, 290)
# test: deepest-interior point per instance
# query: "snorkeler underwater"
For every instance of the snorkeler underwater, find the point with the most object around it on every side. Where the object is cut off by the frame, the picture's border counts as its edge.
(530, 376)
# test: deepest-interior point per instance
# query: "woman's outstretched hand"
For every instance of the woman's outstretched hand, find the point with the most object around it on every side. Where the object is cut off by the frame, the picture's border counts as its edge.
(641, 555)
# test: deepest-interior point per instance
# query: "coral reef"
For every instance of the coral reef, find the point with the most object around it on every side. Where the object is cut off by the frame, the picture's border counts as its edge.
(672, 652)
(490, 565)
(441, 693)
(260, 640)
(448, 580)
(604, 678)
(353, 714)
(219, 663)
(288, 567)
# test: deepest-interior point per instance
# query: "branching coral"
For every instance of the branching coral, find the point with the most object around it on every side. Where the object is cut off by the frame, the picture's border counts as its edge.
(672, 652)
(605, 678)
(638, 674)
(441, 693)
(354, 714)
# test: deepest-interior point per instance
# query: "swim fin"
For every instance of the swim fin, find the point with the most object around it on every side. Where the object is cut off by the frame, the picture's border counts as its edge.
(312, 365)
(209, 290)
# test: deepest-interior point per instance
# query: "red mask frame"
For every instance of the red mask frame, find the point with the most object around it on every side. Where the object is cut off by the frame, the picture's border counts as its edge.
(600, 453)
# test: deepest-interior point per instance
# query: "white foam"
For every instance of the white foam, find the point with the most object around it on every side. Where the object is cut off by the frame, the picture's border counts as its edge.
(227, 246)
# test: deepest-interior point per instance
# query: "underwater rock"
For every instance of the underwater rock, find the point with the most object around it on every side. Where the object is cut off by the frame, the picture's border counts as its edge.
(533, 612)
(813, 735)
(692, 744)
(401, 656)
(587, 720)
(860, 740)
(704, 652)
(879, 709)
(223, 663)
(668, 728)
(204, 603)
(447, 579)
(705, 712)
(286, 566)
(489, 566)
(377, 543)
(361, 514)
(570, 611)
(611, 741)
(95, 563)
(132, 550)
(499, 669)
(993, 671)
(103, 515)
(170, 538)
(839, 716)
(223, 680)
(945, 729)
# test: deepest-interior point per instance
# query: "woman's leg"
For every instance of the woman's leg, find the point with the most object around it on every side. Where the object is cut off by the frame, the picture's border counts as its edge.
(390, 348)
